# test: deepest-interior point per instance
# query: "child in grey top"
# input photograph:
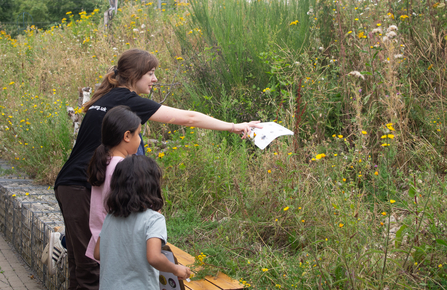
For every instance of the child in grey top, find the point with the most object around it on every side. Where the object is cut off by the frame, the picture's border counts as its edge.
(134, 231)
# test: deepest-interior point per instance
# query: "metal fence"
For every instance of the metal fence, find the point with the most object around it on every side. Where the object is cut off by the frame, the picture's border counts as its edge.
(28, 213)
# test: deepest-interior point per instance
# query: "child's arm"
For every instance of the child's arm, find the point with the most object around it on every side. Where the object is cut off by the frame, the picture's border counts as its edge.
(96, 252)
(160, 262)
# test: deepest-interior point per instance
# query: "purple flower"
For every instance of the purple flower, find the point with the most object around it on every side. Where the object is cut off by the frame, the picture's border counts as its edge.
(375, 166)
(360, 90)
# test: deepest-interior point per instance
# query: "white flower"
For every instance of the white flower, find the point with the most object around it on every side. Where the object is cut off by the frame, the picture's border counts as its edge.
(377, 30)
(392, 28)
(441, 5)
(398, 56)
(391, 34)
(356, 74)
(385, 39)
(135, 30)
(143, 26)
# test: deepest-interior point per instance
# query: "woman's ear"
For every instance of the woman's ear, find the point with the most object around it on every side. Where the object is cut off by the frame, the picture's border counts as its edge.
(127, 136)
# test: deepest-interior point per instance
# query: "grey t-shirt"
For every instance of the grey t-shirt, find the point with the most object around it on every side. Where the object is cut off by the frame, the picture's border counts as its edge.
(124, 262)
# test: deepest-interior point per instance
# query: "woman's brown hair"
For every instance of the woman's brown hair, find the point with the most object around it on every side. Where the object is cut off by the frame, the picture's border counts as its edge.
(132, 65)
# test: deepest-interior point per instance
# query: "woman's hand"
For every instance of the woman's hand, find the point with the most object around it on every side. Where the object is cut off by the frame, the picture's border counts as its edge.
(245, 128)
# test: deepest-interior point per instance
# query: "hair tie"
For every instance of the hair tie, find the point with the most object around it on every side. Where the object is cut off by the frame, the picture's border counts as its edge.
(116, 71)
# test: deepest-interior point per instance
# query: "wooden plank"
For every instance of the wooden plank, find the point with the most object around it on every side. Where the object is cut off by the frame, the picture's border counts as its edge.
(222, 281)
(201, 285)
(182, 257)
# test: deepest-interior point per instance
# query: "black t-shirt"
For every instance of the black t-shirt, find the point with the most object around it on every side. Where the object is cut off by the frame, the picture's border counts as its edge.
(74, 171)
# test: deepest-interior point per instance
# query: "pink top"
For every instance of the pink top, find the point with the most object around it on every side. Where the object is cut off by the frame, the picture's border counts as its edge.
(97, 210)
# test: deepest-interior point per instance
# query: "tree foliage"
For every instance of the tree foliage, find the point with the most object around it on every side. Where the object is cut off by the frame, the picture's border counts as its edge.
(42, 13)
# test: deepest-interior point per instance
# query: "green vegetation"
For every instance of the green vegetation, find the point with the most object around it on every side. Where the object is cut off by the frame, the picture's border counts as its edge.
(355, 200)
(15, 16)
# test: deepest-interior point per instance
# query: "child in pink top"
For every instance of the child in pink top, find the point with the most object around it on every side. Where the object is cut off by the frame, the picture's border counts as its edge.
(119, 137)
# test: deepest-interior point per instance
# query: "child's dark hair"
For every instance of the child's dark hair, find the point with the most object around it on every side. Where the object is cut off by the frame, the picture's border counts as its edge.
(132, 65)
(135, 186)
(115, 123)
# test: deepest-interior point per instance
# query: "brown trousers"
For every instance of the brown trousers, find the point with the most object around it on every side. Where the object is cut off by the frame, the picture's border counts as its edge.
(74, 202)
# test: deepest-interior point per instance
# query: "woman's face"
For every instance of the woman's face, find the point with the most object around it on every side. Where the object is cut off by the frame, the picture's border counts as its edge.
(144, 85)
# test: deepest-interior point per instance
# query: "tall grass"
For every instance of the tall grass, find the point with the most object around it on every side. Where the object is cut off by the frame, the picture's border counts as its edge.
(225, 43)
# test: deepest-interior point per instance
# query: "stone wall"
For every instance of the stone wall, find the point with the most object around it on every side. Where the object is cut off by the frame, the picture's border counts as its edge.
(28, 213)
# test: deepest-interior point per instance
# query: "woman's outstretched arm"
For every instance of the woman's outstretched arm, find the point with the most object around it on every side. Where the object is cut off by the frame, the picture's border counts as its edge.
(171, 115)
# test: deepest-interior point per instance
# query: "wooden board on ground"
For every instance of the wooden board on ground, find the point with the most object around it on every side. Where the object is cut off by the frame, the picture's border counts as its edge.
(220, 282)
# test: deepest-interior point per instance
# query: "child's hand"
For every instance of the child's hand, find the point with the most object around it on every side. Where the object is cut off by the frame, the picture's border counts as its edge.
(182, 272)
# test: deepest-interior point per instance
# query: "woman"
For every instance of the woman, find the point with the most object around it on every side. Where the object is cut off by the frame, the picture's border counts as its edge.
(134, 75)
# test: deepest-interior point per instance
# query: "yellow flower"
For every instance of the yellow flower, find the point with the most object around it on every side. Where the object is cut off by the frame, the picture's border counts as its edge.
(392, 201)
(182, 137)
(376, 173)
(161, 154)
(303, 221)
(319, 156)
(364, 132)
(430, 67)
(179, 58)
(286, 208)
(14, 195)
(334, 135)
(269, 171)
(11, 83)
(402, 17)
(264, 269)
(344, 179)
(385, 145)
(340, 136)
(335, 155)
(379, 24)
(350, 31)
(27, 193)
(340, 225)
(290, 153)
(384, 213)
(148, 150)
(68, 13)
(440, 266)
(174, 148)
(196, 145)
